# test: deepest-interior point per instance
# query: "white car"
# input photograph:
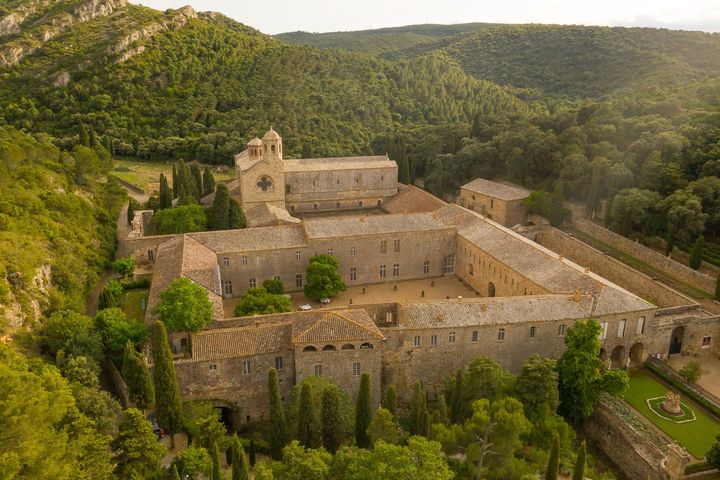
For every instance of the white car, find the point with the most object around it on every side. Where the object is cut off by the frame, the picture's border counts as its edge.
(305, 307)
(325, 301)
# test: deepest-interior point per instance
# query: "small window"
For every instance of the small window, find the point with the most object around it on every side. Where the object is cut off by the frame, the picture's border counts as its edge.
(501, 334)
(356, 368)
(329, 348)
(212, 367)
(451, 337)
(337, 204)
(449, 264)
(396, 270)
(298, 280)
(532, 331)
(353, 274)
(426, 267)
(360, 204)
(561, 330)
(706, 341)
(604, 330)
(383, 246)
(226, 262)
(227, 287)
(475, 336)
(433, 339)
(317, 370)
(388, 317)
(348, 346)
(247, 368)
(382, 271)
(309, 348)
(151, 255)
(492, 203)
(278, 363)
(352, 251)
(416, 341)
(621, 328)
(640, 329)
(396, 245)
(315, 206)
(298, 256)
(257, 260)
(243, 260)
(253, 282)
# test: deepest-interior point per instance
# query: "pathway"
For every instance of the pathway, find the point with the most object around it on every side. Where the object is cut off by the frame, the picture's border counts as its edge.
(710, 379)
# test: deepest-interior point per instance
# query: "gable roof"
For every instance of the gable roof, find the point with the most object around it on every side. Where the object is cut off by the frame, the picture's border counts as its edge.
(497, 190)
(252, 239)
(338, 163)
(334, 326)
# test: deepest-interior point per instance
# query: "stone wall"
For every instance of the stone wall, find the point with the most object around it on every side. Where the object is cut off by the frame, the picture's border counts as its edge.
(611, 269)
(651, 257)
(505, 212)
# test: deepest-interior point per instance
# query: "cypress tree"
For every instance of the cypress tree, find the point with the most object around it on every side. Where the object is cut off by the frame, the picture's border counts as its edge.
(137, 376)
(216, 473)
(175, 185)
(239, 464)
(476, 129)
(552, 468)
(197, 178)
(418, 411)
(208, 181)
(390, 400)
(220, 210)
(456, 406)
(403, 163)
(669, 243)
(363, 412)
(717, 288)
(167, 392)
(579, 470)
(175, 475)
(130, 212)
(278, 426)
(84, 139)
(331, 418)
(307, 427)
(251, 453)
(92, 140)
(165, 200)
(183, 198)
(696, 253)
(236, 219)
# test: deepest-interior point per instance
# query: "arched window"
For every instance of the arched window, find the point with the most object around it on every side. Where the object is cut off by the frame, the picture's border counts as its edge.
(272, 148)
(348, 346)
(329, 348)
(309, 348)
(366, 345)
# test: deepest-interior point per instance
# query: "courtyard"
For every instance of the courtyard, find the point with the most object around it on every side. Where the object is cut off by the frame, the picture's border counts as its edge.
(710, 364)
(427, 289)
(696, 435)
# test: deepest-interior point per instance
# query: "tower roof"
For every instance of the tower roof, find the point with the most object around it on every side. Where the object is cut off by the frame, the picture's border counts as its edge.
(255, 142)
(271, 135)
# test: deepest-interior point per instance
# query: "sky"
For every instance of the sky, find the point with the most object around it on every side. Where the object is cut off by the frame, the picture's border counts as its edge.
(278, 16)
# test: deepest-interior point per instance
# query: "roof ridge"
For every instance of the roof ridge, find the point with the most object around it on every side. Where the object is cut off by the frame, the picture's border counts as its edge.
(354, 322)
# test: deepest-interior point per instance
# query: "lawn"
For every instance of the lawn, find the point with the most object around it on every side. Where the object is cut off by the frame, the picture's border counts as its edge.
(146, 175)
(696, 436)
(132, 303)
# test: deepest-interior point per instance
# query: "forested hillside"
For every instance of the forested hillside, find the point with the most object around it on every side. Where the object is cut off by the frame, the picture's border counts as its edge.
(572, 61)
(182, 85)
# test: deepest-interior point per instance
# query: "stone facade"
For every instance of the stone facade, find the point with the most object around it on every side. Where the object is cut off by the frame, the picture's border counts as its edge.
(501, 203)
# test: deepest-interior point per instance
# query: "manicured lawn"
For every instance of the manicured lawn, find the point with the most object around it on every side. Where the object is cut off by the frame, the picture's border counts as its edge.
(695, 436)
(146, 175)
(132, 303)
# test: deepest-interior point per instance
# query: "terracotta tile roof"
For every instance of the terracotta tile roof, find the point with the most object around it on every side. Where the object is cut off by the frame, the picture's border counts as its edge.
(338, 163)
(334, 326)
(222, 343)
(411, 199)
(252, 239)
(497, 190)
(370, 225)
(263, 215)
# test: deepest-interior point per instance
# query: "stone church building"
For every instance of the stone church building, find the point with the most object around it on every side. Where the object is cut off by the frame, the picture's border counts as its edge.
(382, 232)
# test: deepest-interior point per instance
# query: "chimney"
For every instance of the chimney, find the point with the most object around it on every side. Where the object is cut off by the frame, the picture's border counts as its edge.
(576, 296)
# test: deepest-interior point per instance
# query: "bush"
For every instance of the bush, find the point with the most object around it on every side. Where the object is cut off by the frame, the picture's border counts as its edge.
(111, 295)
(136, 284)
(691, 372)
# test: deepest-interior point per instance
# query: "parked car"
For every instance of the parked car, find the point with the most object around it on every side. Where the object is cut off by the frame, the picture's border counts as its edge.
(325, 301)
(159, 432)
(305, 307)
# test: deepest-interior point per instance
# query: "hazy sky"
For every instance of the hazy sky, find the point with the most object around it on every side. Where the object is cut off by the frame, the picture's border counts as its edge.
(277, 16)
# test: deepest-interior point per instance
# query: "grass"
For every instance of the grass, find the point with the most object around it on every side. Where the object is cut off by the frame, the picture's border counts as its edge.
(132, 303)
(146, 175)
(696, 436)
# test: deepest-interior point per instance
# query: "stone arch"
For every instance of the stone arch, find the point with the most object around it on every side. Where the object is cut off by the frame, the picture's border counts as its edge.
(603, 355)
(676, 340)
(491, 289)
(348, 346)
(228, 414)
(636, 355)
(309, 348)
(617, 357)
(366, 345)
(329, 348)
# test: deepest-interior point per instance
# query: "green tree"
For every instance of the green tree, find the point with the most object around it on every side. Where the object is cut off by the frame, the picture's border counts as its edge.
(184, 306)
(301, 463)
(72, 333)
(216, 469)
(130, 212)
(220, 210)
(124, 266)
(419, 414)
(239, 464)
(582, 375)
(696, 253)
(331, 434)
(165, 194)
(82, 370)
(84, 139)
(116, 330)
(111, 295)
(174, 474)
(691, 372)
(236, 218)
(308, 427)
(390, 400)
(182, 219)
(632, 209)
(579, 470)
(551, 472)
(92, 139)
(685, 218)
(383, 427)
(251, 453)
(323, 279)
(537, 386)
(167, 392)
(137, 451)
(456, 404)
(175, 182)
(278, 426)
(713, 455)
(485, 378)
(208, 181)
(257, 301)
(197, 179)
(193, 463)
(137, 377)
(273, 286)
(363, 412)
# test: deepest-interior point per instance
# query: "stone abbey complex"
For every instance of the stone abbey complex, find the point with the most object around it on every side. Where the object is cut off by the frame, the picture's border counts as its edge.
(521, 291)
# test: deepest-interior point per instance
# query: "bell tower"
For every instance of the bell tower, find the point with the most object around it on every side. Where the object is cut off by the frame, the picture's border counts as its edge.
(261, 172)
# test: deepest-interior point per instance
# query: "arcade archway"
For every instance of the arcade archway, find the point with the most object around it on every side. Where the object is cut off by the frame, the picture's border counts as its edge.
(676, 340)
(636, 355)
(617, 357)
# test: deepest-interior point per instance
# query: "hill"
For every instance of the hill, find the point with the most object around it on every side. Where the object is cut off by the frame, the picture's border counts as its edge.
(182, 84)
(574, 61)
